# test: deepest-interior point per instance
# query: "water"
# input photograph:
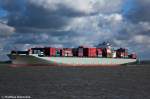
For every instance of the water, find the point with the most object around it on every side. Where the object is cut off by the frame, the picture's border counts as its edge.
(127, 82)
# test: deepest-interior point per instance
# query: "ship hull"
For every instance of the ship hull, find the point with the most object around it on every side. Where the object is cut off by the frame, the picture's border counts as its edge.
(35, 60)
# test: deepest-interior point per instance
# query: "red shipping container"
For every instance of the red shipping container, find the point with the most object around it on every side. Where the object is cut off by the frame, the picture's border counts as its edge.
(52, 51)
(125, 54)
(93, 52)
(99, 52)
(49, 51)
(90, 52)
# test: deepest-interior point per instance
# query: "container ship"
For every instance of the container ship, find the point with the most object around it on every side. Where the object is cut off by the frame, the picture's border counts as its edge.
(102, 55)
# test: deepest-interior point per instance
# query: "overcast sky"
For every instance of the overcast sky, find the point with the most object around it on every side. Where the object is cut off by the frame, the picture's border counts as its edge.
(69, 23)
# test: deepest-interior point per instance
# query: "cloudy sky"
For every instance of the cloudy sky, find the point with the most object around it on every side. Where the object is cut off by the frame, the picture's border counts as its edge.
(69, 23)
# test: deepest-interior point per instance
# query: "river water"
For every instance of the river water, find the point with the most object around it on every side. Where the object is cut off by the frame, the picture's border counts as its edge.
(120, 82)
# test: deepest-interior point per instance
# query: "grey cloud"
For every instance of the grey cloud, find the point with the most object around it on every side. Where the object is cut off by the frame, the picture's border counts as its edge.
(38, 18)
(71, 23)
(139, 11)
(130, 30)
(6, 30)
(33, 17)
(108, 6)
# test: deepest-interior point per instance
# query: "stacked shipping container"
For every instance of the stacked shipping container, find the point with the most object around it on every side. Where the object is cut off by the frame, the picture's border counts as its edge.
(75, 52)
(133, 56)
(99, 52)
(67, 52)
(49, 51)
(80, 51)
(89, 52)
(107, 52)
(83, 52)
(114, 55)
(122, 53)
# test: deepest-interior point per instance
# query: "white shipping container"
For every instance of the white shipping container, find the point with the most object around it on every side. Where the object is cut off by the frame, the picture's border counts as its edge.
(114, 55)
